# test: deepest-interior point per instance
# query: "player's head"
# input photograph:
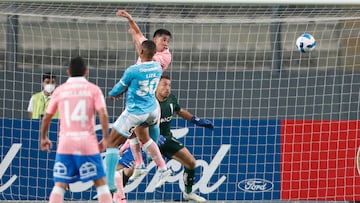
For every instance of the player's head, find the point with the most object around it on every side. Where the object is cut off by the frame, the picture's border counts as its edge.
(77, 67)
(148, 50)
(48, 82)
(164, 87)
(49, 78)
(162, 39)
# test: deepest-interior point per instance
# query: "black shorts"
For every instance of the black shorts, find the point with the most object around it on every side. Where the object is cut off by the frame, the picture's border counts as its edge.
(170, 147)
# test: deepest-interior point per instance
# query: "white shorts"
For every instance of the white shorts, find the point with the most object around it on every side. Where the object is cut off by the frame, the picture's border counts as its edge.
(127, 122)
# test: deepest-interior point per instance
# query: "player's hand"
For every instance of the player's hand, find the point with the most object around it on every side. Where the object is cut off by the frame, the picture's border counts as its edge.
(161, 140)
(124, 14)
(113, 98)
(117, 97)
(202, 122)
(102, 145)
(45, 145)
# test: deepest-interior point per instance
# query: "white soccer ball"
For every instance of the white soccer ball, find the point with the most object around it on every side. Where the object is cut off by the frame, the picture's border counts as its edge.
(305, 42)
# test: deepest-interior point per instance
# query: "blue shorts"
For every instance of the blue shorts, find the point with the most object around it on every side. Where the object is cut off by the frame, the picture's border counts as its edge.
(70, 168)
(127, 159)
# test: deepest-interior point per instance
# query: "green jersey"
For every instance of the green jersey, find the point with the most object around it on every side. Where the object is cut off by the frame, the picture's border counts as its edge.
(168, 108)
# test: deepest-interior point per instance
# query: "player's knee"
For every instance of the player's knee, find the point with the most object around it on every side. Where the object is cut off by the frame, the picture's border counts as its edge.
(192, 165)
(100, 182)
(128, 171)
(115, 139)
(144, 139)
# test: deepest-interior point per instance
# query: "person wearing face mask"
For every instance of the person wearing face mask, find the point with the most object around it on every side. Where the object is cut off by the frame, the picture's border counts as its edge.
(40, 100)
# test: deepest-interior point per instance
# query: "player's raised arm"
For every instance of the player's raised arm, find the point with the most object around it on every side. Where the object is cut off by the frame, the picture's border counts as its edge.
(134, 30)
(117, 90)
(122, 86)
(197, 121)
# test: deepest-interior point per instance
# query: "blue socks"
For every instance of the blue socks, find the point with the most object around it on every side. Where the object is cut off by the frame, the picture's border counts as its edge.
(154, 132)
(112, 158)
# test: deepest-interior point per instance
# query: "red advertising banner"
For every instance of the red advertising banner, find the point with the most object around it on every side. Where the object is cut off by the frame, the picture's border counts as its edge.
(319, 160)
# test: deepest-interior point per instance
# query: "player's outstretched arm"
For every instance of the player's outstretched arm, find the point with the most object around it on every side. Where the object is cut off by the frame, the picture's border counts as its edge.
(45, 143)
(134, 30)
(103, 116)
(119, 89)
(197, 121)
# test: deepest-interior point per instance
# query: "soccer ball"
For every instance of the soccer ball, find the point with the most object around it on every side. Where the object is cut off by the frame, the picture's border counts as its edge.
(305, 42)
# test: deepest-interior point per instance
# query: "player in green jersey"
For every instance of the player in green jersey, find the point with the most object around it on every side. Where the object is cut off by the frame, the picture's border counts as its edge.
(172, 148)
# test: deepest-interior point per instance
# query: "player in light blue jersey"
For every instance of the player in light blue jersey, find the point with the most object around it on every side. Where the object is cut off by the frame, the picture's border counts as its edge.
(141, 81)
(141, 111)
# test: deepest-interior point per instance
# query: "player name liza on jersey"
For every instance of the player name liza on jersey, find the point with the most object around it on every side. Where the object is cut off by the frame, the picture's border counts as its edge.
(151, 75)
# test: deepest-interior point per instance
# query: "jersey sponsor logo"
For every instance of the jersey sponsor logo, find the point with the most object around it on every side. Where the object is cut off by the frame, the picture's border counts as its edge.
(149, 69)
(255, 185)
(77, 134)
(167, 119)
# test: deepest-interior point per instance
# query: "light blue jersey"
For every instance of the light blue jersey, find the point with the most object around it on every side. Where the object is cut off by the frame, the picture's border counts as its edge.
(141, 80)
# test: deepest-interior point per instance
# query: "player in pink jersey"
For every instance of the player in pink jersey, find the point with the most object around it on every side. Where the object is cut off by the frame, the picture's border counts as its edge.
(161, 38)
(78, 154)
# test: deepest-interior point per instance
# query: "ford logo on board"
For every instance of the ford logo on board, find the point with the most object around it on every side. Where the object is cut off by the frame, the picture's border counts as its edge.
(255, 185)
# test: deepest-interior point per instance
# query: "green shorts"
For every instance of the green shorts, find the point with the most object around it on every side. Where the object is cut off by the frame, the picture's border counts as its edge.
(170, 147)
